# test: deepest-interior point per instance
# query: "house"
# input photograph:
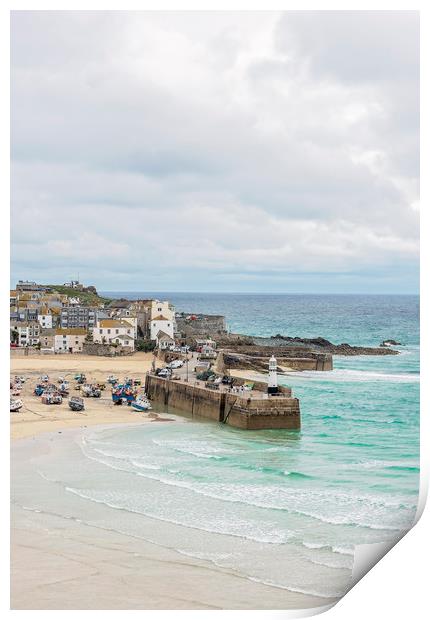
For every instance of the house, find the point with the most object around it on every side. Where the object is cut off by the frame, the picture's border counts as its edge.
(29, 286)
(163, 308)
(161, 323)
(45, 320)
(70, 339)
(47, 339)
(127, 315)
(164, 341)
(107, 330)
(28, 332)
(123, 341)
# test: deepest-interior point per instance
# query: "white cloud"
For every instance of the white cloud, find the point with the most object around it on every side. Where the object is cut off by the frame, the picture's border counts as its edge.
(178, 142)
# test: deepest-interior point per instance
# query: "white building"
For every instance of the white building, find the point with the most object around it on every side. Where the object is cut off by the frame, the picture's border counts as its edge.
(163, 324)
(164, 341)
(45, 321)
(70, 339)
(28, 332)
(109, 330)
(163, 308)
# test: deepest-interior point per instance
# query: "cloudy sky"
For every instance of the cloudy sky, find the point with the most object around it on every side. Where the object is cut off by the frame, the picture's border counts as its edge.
(216, 151)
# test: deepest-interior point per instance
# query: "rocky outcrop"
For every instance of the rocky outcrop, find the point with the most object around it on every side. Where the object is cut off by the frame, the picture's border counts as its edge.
(323, 345)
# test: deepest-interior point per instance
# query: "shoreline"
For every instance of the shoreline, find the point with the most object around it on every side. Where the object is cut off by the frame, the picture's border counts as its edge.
(83, 566)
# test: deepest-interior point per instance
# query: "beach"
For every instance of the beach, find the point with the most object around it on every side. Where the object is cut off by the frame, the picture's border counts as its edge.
(63, 561)
(35, 417)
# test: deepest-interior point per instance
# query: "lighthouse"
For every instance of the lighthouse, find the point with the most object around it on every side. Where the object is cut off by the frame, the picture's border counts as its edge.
(272, 386)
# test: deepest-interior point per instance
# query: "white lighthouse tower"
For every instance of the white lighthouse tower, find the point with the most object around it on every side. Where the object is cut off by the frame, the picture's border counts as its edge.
(272, 386)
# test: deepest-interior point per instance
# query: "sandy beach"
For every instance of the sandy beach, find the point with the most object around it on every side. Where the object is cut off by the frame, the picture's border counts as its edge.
(35, 417)
(80, 565)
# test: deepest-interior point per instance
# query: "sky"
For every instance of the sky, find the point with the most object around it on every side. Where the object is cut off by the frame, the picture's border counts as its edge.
(216, 151)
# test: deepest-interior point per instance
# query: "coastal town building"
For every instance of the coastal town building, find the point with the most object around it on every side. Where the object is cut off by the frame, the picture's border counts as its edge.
(163, 324)
(45, 320)
(164, 341)
(163, 308)
(109, 330)
(47, 337)
(26, 285)
(69, 340)
(78, 316)
(28, 332)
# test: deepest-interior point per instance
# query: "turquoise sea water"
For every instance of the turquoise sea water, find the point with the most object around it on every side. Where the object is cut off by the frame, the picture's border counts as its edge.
(281, 507)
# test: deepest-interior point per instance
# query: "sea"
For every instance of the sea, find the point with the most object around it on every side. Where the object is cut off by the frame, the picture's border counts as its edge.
(280, 507)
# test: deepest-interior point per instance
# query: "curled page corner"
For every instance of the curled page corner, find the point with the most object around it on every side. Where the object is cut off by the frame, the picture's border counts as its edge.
(367, 556)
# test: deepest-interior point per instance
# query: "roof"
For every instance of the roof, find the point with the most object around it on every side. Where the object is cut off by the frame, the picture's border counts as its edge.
(71, 331)
(163, 336)
(124, 337)
(114, 323)
(160, 317)
(13, 293)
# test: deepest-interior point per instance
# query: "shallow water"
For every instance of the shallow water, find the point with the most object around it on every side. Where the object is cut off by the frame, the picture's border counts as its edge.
(281, 507)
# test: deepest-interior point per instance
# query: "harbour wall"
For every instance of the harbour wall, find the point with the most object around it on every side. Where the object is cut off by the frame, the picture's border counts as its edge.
(240, 411)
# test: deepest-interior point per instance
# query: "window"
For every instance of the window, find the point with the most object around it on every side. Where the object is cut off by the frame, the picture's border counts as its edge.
(108, 331)
(117, 331)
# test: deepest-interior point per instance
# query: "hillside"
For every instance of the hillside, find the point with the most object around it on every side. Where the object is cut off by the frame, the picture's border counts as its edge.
(87, 298)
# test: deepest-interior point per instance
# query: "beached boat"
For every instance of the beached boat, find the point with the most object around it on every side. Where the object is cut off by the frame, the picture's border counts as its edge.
(15, 404)
(76, 403)
(90, 391)
(123, 393)
(52, 398)
(141, 403)
(112, 380)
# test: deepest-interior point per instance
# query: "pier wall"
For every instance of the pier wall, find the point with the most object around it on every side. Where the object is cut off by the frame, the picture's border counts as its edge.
(281, 411)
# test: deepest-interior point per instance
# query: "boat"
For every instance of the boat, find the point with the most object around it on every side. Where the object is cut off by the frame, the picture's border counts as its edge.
(76, 403)
(112, 380)
(15, 404)
(123, 393)
(90, 390)
(52, 398)
(141, 403)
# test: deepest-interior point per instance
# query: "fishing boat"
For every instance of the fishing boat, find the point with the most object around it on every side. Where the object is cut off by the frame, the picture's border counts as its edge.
(141, 403)
(112, 380)
(122, 393)
(90, 391)
(15, 404)
(76, 403)
(52, 398)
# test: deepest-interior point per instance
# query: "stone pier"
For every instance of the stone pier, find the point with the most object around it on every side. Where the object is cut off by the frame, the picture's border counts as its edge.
(250, 410)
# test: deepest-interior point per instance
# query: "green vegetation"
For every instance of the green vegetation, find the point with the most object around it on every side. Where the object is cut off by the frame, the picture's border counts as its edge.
(87, 297)
(145, 345)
